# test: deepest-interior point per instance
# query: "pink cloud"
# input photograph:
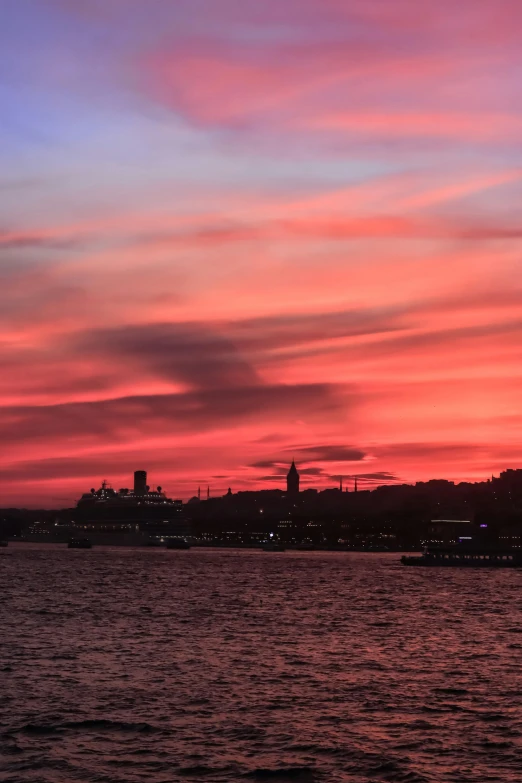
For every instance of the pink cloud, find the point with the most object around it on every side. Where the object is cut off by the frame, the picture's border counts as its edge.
(323, 247)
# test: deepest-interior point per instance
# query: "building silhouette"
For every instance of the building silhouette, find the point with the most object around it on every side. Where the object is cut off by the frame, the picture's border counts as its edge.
(387, 517)
(292, 480)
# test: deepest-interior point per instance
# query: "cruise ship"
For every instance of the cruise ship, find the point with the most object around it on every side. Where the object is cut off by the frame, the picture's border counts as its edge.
(140, 516)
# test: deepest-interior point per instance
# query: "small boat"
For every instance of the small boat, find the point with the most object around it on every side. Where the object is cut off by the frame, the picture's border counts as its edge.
(272, 547)
(79, 543)
(465, 557)
(177, 543)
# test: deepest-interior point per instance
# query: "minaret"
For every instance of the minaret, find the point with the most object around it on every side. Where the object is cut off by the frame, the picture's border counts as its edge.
(355, 485)
(208, 492)
(341, 484)
(199, 493)
(292, 480)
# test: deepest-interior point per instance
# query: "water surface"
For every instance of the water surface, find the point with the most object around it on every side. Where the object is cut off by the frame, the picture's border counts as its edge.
(127, 665)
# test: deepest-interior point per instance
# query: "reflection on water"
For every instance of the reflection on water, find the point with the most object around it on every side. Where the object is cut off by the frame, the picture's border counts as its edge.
(124, 666)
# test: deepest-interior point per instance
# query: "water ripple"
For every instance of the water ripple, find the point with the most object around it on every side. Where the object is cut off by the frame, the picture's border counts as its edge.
(128, 666)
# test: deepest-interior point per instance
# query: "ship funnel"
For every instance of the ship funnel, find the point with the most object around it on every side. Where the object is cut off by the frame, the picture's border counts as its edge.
(140, 482)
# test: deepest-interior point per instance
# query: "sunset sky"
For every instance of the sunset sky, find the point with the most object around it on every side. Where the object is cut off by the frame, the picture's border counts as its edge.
(233, 232)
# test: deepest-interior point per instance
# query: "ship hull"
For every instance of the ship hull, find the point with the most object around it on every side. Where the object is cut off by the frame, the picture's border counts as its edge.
(99, 538)
(419, 562)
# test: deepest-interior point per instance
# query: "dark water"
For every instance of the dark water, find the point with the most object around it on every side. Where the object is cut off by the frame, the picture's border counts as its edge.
(125, 665)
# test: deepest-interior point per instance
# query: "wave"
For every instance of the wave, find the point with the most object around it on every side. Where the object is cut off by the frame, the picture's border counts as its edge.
(451, 691)
(200, 770)
(98, 724)
(38, 728)
(390, 770)
(111, 725)
(301, 774)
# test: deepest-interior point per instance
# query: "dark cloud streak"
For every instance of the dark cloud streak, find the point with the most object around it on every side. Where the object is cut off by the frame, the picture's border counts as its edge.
(118, 419)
